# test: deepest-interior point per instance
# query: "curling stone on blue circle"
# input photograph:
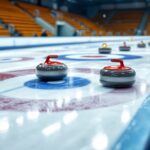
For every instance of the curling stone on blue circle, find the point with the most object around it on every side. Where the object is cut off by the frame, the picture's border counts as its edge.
(51, 70)
(117, 76)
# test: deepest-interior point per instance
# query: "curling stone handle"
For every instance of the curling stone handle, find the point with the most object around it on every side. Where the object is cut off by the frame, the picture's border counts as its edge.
(124, 43)
(49, 57)
(119, 61)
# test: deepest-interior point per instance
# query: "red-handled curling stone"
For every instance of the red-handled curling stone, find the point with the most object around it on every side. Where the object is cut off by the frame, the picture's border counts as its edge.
(51, 70)
(124, 47)
(117, 76)
(104, 49)
(141, 45)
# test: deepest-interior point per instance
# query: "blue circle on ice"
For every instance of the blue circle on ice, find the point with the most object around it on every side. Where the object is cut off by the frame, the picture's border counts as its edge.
(67, 83)
(124, 57)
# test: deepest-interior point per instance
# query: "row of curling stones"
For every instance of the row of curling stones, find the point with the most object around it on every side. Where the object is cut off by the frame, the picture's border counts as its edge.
(110, 76)
(128, 48)
(104, 49)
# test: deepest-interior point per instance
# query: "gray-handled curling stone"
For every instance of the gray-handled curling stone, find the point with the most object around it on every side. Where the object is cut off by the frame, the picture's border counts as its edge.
(124, 47)
(141, 45)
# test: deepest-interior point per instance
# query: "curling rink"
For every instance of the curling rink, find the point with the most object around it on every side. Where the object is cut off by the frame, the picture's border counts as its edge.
(77, 113)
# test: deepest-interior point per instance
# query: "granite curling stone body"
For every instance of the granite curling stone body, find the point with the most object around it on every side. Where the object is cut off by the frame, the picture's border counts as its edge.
(117, 76)
(51, 70)
(104, 49)
(124, 47)
(141, 45)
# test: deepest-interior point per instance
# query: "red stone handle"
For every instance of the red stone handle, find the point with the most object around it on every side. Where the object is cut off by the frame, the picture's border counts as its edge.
(124, 43)
(119, 61)
(47, 61)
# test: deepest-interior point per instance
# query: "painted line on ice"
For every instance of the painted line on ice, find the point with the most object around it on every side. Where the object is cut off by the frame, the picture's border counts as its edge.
(61, 44)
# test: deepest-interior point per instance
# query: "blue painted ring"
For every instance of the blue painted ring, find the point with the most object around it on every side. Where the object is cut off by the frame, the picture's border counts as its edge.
(67, 83)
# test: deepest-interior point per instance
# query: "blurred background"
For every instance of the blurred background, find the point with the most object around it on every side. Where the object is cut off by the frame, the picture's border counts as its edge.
(34, 18)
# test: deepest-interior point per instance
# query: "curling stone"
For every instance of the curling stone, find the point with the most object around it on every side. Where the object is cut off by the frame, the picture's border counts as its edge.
(104, 49)
(141, 45)
(124, 47)
(51, 70)
(117, 76)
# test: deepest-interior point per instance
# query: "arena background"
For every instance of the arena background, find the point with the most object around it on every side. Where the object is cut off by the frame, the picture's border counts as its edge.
(77, 112)
(74, 17)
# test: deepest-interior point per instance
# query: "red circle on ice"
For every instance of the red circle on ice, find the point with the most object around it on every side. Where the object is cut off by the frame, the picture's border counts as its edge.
(93, 56)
